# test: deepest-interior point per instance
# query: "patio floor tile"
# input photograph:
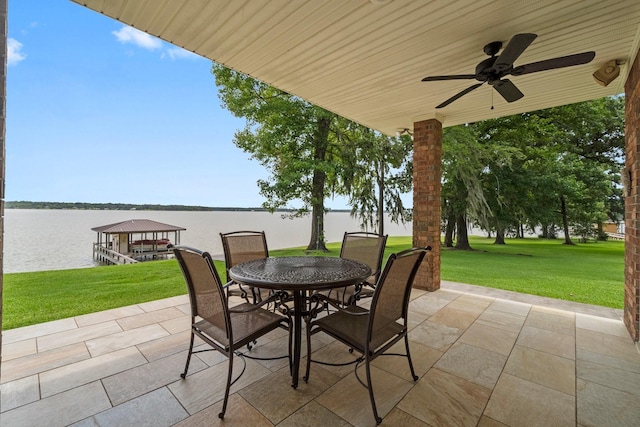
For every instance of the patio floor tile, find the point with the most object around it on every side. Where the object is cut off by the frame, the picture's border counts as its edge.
(61, 409)
(484, 357)
(73, 336)
(551, 342)
(490, 338)
(158, 408)
(19, 349)
(350, 400)
(518, 402)
(85, 371)
(482, 367)
(239, 414)
(40, 362)
(602, 406)
(274, 397)
(117, 341)
(134, 382)
(443, 399)
(19, 392)
(203, 388)
(543, 368)
(150, 318)
(313, 414)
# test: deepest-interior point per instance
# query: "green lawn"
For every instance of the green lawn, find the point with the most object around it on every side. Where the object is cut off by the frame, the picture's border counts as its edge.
(591, 273)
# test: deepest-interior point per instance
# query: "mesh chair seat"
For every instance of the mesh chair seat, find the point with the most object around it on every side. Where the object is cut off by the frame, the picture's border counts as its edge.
(246, 326)
(354, 329)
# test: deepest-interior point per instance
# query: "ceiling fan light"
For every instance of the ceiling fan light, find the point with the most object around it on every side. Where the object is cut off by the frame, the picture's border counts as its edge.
(607, 73)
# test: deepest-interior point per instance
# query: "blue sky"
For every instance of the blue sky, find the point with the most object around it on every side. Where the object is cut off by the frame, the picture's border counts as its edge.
(99, 112)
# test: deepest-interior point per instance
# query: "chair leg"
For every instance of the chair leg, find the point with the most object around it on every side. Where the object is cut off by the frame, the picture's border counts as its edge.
(370, 387)
(226, 391)
(306, 374)
(290, 347)
(186, 366)
(406, 343)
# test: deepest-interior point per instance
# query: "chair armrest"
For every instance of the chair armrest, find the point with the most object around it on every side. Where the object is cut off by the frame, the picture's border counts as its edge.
(247, 308)
(348, 310)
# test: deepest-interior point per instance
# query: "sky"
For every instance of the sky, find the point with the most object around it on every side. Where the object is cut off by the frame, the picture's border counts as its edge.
(99, 112)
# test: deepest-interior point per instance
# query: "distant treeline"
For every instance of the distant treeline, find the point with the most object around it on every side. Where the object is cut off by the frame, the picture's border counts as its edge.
(116, 206)
(129, 207)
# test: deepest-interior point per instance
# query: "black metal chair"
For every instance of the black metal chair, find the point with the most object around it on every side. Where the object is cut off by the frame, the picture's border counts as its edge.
(367, 248)
(224, 329)
(372, 332)
(241, 246)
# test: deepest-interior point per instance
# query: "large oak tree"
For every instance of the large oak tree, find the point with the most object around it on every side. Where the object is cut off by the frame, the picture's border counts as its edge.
(312, 154)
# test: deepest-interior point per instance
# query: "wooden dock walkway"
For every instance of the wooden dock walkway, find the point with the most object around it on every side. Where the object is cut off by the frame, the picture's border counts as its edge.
(107, 256)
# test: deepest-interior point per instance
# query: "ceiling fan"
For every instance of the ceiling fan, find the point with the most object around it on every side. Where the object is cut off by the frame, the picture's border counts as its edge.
(493, 69)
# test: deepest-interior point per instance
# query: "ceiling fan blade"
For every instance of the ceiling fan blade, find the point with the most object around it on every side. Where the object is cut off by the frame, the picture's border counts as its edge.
(514, 49)
(508, 90)
(454, 77)
(551, 64)
(459, 95)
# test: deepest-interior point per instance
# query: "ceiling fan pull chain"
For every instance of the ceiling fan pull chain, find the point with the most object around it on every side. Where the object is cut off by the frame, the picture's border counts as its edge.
(492, 98)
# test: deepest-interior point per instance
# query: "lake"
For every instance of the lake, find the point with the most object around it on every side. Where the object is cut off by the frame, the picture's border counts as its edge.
(42, 239)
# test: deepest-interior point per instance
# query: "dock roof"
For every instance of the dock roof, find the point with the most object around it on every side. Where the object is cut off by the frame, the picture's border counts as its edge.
(136, 226)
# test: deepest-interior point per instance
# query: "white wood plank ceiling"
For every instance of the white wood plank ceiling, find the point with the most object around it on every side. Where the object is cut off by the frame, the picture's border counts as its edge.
(364, 59)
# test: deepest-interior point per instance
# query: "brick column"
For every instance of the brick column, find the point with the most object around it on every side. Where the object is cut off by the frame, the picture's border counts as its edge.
(632, 202)
(427, 173)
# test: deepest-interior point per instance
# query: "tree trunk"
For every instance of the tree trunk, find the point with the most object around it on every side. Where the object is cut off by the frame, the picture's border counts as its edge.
(545, 231)
(601, 233)
(565, 221)
(450, 226)
(499, 236)
(463, 236)
(317, 190)
(381, 199)
(448, 233)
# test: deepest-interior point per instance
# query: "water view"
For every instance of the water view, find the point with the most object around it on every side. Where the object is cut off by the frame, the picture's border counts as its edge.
(42, 239)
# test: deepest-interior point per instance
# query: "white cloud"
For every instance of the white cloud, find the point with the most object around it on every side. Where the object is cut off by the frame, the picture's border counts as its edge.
(179, 53)
(14, 52)
(138, 38)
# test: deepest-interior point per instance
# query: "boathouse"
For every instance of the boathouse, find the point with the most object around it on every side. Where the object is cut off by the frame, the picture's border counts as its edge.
(134, 240)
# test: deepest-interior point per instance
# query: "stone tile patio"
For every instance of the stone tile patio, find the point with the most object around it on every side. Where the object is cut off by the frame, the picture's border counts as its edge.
(484, 358)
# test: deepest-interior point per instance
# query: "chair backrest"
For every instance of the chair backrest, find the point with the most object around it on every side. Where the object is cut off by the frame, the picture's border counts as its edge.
(365, 247)
(206, 293)
(391, 297)
(241, 246)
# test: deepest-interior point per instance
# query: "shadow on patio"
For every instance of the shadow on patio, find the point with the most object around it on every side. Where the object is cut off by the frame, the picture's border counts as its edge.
(484, 357)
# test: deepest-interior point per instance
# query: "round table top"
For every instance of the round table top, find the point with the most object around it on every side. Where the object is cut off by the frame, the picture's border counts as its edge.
(300, 272)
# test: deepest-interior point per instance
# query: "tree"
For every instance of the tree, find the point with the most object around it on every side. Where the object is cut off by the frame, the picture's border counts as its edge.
(463, 159)
(312, 153)
(378, 170)
(561, 169)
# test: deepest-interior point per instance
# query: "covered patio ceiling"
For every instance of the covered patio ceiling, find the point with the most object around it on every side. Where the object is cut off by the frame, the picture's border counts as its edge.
(364, 59)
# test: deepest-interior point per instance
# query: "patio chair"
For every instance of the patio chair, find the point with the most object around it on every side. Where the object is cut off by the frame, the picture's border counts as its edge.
(224, 329)
(372, 332)
(369, 249)
(241, 246)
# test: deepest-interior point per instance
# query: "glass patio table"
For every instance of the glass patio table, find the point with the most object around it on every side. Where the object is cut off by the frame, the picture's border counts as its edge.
(299, 275)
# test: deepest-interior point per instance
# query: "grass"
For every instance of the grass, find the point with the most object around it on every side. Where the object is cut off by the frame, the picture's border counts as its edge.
(592, 273)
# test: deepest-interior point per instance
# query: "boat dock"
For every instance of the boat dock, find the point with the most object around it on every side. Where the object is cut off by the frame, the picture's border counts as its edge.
(134, 240)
